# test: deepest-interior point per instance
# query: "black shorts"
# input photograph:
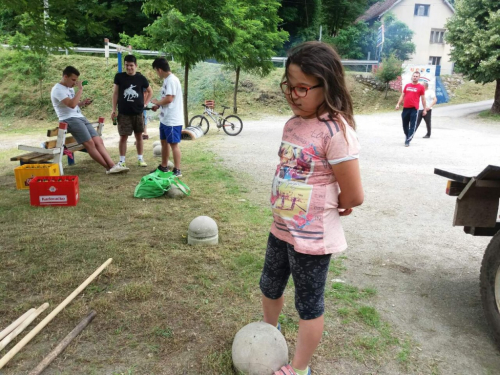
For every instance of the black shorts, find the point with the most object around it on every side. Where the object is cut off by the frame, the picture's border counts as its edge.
(309, 273)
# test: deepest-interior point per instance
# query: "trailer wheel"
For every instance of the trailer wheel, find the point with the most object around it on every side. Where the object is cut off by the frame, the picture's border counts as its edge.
(490, 286)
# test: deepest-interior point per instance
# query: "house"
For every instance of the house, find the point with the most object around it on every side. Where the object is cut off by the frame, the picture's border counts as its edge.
(427, 19)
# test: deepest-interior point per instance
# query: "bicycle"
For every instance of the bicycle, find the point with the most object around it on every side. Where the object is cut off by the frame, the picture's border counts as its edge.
(232, 124)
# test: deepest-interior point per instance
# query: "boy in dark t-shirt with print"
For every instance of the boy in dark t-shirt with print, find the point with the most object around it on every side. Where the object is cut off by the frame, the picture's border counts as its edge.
(411, 95)
(131, 93)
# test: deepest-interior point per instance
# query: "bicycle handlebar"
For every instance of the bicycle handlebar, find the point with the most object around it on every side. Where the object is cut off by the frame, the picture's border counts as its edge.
(223, 106)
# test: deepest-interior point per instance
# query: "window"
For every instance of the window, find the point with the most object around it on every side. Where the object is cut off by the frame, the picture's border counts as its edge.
(437, 36)
(422, 10)
(434, 60)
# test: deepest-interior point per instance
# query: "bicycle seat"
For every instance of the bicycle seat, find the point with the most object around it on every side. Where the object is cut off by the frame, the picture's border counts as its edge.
(225, 107)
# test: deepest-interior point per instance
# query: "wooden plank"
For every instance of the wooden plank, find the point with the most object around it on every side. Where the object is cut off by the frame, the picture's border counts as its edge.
(462, 177)
(491, 172)
(480, 231)
(41, 158)
(76, 148)
(53, 143)
(52, 132)
(25, 156)
(454, 188)
(40, 150)
(488, 184)
(477, 208)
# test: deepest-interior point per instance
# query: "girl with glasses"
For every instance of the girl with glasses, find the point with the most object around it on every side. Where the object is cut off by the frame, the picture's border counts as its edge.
(317, 181)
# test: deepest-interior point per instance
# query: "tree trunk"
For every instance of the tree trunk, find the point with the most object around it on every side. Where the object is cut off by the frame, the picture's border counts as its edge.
(235, 101)
(495, 108)
(386, 89)
(185, 95)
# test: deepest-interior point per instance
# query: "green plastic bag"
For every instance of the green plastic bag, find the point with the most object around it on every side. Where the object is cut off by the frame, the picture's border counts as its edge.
(157, 184)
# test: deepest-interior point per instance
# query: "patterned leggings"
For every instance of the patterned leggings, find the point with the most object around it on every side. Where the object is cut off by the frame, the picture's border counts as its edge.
(309, 273)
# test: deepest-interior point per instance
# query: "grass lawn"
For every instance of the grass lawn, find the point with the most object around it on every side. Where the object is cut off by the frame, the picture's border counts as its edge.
(163, 307)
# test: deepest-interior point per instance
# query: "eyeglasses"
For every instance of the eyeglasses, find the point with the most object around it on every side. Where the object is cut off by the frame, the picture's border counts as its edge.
(299, 91)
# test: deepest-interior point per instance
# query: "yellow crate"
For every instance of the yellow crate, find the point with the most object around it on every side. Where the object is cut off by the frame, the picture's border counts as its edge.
(26, 172)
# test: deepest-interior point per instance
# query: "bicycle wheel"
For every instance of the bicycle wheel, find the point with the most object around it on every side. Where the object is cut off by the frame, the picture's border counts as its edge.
(200, 121)
(232, 125)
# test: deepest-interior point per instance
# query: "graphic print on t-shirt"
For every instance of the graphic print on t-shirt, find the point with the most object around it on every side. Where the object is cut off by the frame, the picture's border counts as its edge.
(130, 94)
(291, 195)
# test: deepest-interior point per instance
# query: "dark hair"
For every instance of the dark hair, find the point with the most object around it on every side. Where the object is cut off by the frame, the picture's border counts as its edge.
(323, 62)
(130, 58)
(69, 70)
(161, 63)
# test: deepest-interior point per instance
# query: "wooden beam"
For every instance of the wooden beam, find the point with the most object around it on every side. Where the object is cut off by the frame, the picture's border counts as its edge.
(16, 323)
(26, 339)
(62, 345)
(480, 231)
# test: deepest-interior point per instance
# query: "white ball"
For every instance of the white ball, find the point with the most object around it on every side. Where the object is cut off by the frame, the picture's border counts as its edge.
(156, 143)
(157, 150)
(259, 349)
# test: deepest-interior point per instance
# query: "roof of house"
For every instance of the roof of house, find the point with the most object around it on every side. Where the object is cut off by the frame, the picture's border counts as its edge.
(379, 9)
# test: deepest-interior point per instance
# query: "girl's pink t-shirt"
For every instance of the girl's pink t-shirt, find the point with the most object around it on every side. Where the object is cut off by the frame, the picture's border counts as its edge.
(304, 195)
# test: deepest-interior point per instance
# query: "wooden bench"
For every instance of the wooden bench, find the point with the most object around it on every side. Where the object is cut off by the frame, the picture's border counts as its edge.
(53, 150)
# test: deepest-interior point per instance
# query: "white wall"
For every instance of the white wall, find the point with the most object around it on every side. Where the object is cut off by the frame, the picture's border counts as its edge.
(439, 12)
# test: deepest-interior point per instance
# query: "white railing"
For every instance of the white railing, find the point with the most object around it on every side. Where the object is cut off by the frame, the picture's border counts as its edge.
(100, 50)
(159, 53)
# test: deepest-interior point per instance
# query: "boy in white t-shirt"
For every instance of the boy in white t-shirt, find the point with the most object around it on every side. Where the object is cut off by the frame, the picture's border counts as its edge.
(430, 99)
(67, 106)
(171, 115)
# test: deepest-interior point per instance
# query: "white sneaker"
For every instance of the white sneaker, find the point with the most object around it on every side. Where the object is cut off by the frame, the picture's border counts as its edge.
(117, 168)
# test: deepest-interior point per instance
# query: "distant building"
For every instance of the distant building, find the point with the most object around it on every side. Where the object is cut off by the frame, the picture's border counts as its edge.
(427, 19)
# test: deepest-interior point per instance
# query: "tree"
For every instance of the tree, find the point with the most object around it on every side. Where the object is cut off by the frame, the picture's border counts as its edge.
(338, 14)
(390, 69)
(64, 20)
(397, 38)
(474, 33)
(353, 42)
(257, 36)
(192, 31)
(301, 19)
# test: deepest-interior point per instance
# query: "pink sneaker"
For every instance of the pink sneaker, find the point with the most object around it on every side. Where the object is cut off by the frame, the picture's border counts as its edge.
(288, 370)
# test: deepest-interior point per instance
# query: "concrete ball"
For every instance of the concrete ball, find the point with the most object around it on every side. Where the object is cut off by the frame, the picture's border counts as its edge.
(157, 151)
(156, 143)
(259, 349)
(203, 230)
(175, 192)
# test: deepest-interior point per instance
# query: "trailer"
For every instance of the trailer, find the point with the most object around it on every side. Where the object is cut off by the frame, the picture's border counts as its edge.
(476, 209)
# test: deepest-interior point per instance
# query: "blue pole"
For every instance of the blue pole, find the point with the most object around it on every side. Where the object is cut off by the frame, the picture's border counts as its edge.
(119, 62)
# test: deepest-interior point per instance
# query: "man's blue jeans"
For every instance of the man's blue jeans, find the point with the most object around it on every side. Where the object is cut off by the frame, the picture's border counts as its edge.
(409, 117)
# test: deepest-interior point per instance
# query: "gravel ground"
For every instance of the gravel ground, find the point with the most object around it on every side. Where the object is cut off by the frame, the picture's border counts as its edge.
(401, 240)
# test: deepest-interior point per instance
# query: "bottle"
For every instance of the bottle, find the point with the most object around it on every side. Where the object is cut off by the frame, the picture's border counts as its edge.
(85, 83)
(115, 120)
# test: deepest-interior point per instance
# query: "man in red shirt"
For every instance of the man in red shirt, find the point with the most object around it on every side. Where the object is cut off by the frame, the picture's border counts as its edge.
(411, 95)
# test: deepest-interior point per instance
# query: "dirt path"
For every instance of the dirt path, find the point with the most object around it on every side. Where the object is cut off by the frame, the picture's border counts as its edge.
(401, 239)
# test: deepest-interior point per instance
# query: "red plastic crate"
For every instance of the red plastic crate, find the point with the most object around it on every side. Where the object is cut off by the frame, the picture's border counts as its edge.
(54, 191)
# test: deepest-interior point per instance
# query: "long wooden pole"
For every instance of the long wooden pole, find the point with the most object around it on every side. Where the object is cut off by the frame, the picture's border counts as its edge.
(62, 345)
(23, 325)
(26, 339)
(13, 325)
